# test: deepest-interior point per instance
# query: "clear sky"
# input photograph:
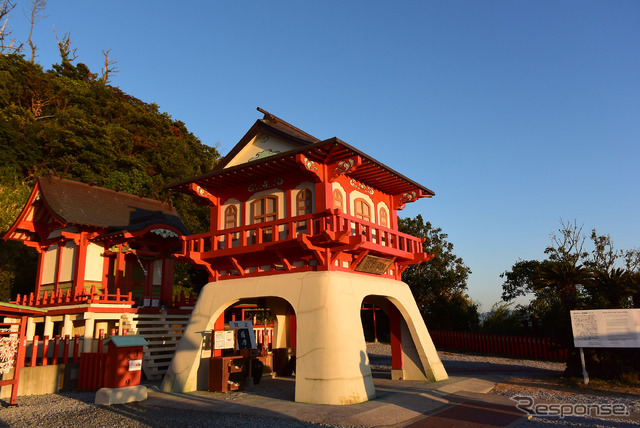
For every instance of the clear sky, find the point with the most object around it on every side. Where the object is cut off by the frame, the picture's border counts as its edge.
(516, 113)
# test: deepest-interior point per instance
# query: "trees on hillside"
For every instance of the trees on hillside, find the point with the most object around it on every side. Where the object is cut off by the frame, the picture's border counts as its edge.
(439, 285)
(68, 121)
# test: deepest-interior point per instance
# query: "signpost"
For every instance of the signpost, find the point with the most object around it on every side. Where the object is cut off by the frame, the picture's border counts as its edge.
(605, 328)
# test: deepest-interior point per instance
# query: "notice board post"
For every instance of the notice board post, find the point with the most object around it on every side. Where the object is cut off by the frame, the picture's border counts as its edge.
(605, 328)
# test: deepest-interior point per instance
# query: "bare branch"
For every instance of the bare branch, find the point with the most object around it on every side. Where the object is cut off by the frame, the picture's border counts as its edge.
(6, 7)
(109, 66)
(66, 53)
(37, 7)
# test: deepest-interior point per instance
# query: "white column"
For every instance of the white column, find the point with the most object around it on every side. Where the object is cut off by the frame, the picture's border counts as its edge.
(31, 328)
(48, 327)
(67, 326)
(89, 323)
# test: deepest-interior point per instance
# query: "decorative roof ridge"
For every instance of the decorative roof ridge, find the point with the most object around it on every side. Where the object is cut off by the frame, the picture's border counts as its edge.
(276, 120)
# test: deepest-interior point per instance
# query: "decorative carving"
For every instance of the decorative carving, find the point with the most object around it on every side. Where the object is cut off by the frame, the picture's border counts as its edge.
(202, 192)
(344, 166)
(266, 184)
(264, 154)
(373, 264)
(357, 185)
(309, 164)
(164, 233)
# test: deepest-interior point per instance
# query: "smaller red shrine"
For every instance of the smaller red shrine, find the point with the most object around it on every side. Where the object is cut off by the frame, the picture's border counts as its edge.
(100, 252)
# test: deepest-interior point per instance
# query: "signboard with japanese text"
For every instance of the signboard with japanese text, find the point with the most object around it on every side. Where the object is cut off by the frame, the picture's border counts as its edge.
(606, 328)
(224, 339)
(245, 337)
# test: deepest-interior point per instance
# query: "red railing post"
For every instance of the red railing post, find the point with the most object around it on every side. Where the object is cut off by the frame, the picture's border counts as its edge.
(34, 352)
(56, 349)
(45, 350)
(65, 351)
(76, 347)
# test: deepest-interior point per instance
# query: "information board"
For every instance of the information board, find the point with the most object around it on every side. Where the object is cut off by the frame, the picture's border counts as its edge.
(224, 339)
(606, 328)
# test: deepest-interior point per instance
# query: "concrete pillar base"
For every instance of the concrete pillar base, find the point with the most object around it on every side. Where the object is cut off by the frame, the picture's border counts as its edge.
(332, 366)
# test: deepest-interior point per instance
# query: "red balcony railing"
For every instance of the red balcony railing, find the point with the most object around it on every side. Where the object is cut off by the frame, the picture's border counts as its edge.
(325, 229)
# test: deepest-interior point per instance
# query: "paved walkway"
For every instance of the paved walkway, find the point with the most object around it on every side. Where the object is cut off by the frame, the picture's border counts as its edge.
(458, 401)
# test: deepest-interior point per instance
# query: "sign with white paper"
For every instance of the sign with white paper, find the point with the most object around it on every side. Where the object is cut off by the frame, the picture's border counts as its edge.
(606, 328)
(246, 338)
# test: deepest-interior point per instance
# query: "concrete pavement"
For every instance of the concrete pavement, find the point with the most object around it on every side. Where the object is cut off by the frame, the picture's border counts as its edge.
(458, 401)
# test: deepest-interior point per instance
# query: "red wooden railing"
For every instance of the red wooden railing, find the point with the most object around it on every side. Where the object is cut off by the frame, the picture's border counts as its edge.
(243, 238)
(538, 348)
(48, 352)
(66, 298)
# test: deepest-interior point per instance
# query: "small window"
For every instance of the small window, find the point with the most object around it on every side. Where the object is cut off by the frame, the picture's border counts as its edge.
(384, 218)
(362, 210)
(303, 202)
(230, 217)
(337, 200)
(265, 209)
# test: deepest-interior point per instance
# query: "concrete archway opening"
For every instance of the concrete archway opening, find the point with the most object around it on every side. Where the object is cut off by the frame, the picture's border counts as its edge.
(330, 348)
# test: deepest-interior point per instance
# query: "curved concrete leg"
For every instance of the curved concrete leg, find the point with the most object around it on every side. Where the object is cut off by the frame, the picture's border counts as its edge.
(331, 357)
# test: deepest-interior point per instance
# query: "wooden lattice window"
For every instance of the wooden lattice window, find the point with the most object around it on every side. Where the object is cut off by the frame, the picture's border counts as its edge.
(337, 200)
(362, 210)
(230, 217)
(384, 217)
(265, 209)
(303, 202)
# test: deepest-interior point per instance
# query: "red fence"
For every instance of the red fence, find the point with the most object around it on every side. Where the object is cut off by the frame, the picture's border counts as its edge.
(537, 348)
(59, 350)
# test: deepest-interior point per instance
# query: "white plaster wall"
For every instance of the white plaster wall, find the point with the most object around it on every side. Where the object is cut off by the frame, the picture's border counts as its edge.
(259, 143)
(68, 261)
(49, 265)
(95, 263)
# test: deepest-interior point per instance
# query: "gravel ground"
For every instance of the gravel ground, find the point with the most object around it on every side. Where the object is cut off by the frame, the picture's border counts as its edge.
(517, 378)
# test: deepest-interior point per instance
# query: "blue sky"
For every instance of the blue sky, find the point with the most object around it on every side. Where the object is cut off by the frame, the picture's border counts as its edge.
(516, 113)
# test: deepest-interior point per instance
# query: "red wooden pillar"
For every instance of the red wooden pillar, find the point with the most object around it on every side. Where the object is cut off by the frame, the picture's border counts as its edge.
(167, 281)
(56, 280)
(40, 271)
(80, 261)
(218, 325)
(395, 327)
(120, 266)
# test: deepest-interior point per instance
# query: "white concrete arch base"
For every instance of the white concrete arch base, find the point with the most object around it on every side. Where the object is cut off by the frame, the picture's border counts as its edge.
(332, 366)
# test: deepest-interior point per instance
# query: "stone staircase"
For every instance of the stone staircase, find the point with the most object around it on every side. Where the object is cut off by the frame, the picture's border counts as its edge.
(163, 332)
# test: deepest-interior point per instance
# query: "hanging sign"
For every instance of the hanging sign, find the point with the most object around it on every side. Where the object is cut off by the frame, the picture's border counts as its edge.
(245, 336)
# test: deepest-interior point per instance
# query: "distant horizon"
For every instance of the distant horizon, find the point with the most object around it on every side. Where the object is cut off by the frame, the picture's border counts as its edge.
(516, 114)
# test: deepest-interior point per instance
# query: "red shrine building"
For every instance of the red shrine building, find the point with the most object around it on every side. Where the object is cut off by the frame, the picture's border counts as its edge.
(102, 254)
(311, 227)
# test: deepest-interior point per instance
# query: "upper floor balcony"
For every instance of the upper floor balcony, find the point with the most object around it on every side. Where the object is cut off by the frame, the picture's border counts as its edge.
(329, 240)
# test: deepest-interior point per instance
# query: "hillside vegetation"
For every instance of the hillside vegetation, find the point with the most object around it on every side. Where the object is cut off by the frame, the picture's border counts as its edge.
(68, 121)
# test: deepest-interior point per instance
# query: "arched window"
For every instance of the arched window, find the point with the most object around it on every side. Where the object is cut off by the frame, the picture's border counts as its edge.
(303, 206)
(303, 202)
(383, 217)
(230, 217)
(265, 209)
(337, 200)
(362, 210)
